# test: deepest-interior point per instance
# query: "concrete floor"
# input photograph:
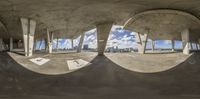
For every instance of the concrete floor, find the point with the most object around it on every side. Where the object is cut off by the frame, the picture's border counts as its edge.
(102, 80)
(56, 65)
(147, 63)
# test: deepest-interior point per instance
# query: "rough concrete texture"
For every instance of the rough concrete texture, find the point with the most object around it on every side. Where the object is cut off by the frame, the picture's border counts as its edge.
(147, 63)
(69, 18)
(56, 65)
(102, 80)
(165, 24)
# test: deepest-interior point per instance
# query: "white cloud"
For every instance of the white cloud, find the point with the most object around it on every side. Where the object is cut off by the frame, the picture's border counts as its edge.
(167, 42)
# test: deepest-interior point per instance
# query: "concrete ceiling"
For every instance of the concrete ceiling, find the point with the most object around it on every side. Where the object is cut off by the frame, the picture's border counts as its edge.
(70, 18)
(164, 24)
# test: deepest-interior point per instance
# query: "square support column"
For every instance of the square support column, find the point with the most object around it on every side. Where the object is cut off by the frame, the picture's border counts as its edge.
(191, 46)
(173, 44)
(2, 47)
(103, 31)
(141, 41)
(196, 46)
(28, 28)
(185, 41)
(72, 40)
(50, 40)
(11, 43)
(152, 45)
(81, 43)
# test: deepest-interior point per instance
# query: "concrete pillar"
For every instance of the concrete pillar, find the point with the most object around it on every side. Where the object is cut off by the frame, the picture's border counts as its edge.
(2, 47)
(152, 45)
(72, 40)
(50, 40)
(46, 44)
(34, 46)
(196, 46)
(185, 41)
(28, 28)
(40, 46)
(191, 46)
(141, 41)
(57, 44)
(11, 43)
(173, 44)
(81, 42)
(103, 31)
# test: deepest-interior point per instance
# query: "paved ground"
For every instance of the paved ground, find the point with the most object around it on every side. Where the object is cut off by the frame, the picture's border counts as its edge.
(56, 65)
(102, 80)
(146, 63)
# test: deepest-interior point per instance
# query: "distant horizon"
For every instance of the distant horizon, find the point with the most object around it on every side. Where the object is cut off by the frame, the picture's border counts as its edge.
(117, 37)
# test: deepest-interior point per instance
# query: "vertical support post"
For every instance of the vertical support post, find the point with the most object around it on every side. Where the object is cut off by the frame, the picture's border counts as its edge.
(191, 46)
(103, 31)
(50, 40)
(2, 48)
(28, 29)
(185, 41)
(46, 44)
(81, 42)
(152, 45)
(72, 41)
(57, 44)
(141, 40)
(196, 46)
(11, 43)
(173, 44)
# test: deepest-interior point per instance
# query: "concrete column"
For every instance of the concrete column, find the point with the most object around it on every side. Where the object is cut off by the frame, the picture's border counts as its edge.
(2, 47)
(46, 44)
(173, 44)
(191, 47)
(152, 45)
(40, 46)
(185, 41)
(141, 40)
(81, 42)
(57, 44)
(28, 28)
(72, 40)
(50, 40)
(103, 31)
(11, 43)
(196, 46)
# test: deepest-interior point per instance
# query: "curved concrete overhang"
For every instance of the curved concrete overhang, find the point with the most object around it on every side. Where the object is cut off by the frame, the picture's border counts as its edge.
(78, 15)
(164, 24)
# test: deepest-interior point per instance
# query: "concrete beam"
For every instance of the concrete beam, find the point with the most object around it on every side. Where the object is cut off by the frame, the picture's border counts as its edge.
(81, 42)
(103, 31)
(50, 40)
(28, 29)
(141, 40)
(185, 41)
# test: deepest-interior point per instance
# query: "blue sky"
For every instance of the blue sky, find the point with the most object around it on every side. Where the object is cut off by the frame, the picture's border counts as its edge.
(117, 37)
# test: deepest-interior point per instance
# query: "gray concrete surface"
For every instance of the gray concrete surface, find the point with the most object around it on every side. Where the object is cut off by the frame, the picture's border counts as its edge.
(102, 80)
